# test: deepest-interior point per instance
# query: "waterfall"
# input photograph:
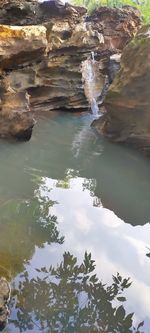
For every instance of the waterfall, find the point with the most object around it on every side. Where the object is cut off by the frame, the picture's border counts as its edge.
(93, 57)
(93, 83)
(94, 107)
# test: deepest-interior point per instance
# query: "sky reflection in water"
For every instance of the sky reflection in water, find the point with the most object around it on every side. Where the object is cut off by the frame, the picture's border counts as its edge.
(85, 198)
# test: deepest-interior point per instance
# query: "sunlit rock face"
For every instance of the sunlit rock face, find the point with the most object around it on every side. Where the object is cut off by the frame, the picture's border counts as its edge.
(42, 50)
(19, 46)
(128, 101)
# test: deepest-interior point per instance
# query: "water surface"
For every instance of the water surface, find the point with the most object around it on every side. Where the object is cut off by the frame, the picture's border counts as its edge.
(68, 190)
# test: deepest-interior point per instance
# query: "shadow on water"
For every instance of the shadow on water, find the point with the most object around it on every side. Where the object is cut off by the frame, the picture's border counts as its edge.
(122, 183)
(120, 173)
(70, 298)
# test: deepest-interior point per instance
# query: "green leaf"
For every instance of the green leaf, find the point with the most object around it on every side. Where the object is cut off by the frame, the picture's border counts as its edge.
(38, 270)
(121, 299)
(120, 313)
(128, 320)
(140, 324)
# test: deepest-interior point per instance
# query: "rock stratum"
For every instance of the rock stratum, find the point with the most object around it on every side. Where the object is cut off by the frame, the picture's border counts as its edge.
(42, 49)
(127, 119)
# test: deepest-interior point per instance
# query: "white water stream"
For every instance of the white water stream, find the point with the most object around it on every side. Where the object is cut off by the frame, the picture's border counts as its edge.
(92, 83)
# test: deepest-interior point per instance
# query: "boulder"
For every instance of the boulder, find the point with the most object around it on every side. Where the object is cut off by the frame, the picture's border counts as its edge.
(127, 103)
(118, 25)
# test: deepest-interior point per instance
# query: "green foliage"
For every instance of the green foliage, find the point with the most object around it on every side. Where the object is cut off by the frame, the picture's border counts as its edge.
(142, 5)
(70, 298)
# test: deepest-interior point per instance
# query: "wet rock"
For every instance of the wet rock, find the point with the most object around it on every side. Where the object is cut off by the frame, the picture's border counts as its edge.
(4, 299)
(128, 101)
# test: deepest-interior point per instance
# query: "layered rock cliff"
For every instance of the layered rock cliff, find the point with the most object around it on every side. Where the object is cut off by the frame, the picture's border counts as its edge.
(128, 100)
(42, 49)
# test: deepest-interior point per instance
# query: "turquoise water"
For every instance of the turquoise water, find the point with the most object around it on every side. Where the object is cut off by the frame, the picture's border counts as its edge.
(68, 190)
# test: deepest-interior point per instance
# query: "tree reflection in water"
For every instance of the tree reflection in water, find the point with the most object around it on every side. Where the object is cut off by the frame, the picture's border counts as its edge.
(71, 299)
(25, 224)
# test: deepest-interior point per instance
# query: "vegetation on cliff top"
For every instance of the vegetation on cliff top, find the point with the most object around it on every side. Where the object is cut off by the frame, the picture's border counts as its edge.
(142, 5)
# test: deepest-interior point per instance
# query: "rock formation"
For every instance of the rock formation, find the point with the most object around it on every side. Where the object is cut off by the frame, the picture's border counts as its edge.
(42, 47)
(4, 299)
(128, 100)
(117, 25)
